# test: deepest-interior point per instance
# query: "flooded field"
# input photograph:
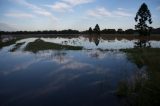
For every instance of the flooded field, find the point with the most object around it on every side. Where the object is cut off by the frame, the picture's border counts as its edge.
(79, 71)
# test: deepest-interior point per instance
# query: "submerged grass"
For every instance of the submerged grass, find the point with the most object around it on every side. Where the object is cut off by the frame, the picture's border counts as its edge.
(145, 56)
(8, 43)
(39, 45)
(17, 46)
(144, 93)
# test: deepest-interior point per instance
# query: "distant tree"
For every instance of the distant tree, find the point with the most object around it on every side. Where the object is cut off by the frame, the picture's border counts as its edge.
(120, 31)
(97, 29)
(156, 30)
(0, 35)
(129, 31)
(108, 31)
(90, 30)
(142, 17)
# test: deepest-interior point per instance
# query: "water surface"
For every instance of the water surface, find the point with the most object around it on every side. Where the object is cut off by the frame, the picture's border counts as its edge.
(85, 76)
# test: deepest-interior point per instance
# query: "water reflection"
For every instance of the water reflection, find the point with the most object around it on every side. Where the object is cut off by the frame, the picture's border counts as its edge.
(95, 38)
(62, 71)
(143, 43)
(17, 46)
(79, 43)
(98, 54)
(57, 56)
(74, 77)
(98, 42)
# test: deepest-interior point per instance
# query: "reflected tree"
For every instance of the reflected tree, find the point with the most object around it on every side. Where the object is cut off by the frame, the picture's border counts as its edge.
(142, 17)
(142, 43)
(96, 40)
(95, 35)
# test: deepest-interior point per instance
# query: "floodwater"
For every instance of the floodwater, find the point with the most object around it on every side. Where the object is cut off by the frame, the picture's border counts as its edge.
(73, 72)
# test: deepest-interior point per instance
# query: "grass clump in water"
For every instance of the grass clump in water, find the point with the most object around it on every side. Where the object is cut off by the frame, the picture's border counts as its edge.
(39, 45)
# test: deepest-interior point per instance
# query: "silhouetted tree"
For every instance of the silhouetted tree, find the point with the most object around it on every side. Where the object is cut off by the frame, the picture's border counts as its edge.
(97, 29)
(108, 31)
(129, 31)
(120, 31)
(90, 30)
(156, 31)
(0, 35)
(142, 17)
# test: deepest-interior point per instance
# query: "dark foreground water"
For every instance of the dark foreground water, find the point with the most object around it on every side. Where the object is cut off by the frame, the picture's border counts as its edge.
(85, 73)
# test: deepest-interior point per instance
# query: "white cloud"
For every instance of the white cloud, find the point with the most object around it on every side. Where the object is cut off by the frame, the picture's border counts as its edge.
(158, 8)
(77, 2)
(24, 2)
(44, 13)
(122, 13)
(36, 9)
(121, 9)
(61, 7)
(103, 12)
(68, 5)
(19, 15)
(99, 12)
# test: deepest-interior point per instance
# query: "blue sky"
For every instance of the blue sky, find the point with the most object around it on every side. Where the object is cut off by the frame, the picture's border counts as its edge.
(33, 15)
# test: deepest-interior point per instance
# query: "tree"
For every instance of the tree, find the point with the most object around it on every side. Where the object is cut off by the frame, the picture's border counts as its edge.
(90, 30)
(120, 31)
(0, 35)
(97, 29)
(142, 17)
(129, 31)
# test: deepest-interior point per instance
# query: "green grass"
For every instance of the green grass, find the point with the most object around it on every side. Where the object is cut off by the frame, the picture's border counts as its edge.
(144, 92)
(39, 45)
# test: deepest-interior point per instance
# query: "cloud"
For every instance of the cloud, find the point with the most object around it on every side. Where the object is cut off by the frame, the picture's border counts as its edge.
(36, 9)
(44, 13)
(61, 7)
(122, 13)
(101, 12)
(158, 8)
(6, 27)
(77, 2)
(19, 15)
(121, 9)
(67, 5)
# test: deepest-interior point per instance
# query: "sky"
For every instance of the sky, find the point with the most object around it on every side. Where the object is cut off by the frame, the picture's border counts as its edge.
(33, 15)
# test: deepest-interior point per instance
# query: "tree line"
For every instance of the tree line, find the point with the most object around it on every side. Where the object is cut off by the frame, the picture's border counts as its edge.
(70, 31)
